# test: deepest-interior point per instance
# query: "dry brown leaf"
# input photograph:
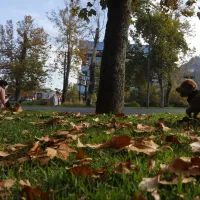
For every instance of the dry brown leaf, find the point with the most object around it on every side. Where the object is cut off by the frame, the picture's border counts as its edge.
(112, 130)
(4, 154)
(176, 180)
(61, 152)
(92, 146)
(151, 163)
(6, 184)
(184, 167)
(9, 118)
(143, 145)
(25, 131)
(144, 128)
(80, 155)
(96, 119)
(155, 195)
(139, 197)
(117, 142)
(44, 139)
(24, 183)
(160, 125)
(61, 132)
(149, 184)
(84, 170)
(170, 139)
(36, 192)
(195, 146)
(16, 147)
(4, 195)
(124, 167)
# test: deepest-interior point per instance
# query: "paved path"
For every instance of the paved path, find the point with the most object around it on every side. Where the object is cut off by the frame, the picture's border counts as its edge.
(127, 111)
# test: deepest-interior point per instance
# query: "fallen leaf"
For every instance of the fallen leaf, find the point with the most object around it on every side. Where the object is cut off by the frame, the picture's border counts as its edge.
(170, 139)
(112, 130)
(176, 180)
(149, 184)
(195, 146)
(96, 119)
(155, 195)
(92, 146)
(144, 128)
(162, 127)
(151, 163)
(117, 142)
(24, 183)
(16, 147)
(4, 154)
(61, 152)
(9, 118)
(143, 145)
(84, 170)
(124, 167)
(36, 192)
(80, 155)
(25, 131)
(6, 184)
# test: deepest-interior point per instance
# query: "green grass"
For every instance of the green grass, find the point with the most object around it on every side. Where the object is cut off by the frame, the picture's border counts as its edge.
(112, 186)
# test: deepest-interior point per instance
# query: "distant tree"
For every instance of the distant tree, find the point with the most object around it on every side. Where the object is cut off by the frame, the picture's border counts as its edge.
(70, 48)
(72, 94)
(98, 22)
(25, 54)
(167, 42)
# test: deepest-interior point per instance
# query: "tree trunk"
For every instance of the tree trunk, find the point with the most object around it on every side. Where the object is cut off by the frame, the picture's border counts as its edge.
(161, 93)
(17, 91)
(64, 79)
(169, 87)
(112, 76)
(92, 68)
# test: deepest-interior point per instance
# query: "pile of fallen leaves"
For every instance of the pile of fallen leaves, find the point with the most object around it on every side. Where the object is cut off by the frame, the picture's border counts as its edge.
(66, 144)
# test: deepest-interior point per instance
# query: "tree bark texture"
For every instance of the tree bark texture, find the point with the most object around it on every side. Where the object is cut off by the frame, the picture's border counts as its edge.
(169, 87)
(161, 93)
(64, 78)
(110, 97)
(92, 68)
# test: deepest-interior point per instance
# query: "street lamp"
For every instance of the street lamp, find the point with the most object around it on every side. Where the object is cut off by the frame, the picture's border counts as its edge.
(149, 59)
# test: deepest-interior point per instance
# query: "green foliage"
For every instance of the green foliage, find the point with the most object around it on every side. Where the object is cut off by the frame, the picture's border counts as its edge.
(25, 52)
(72, 93)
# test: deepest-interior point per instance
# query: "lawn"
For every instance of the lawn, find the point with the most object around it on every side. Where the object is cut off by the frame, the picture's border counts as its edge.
(48, 155)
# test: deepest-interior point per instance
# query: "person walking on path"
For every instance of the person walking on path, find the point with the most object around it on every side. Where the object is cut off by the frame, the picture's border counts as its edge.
(3, 99)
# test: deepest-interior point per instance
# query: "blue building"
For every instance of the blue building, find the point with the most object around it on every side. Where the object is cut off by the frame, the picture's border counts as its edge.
(85, 71)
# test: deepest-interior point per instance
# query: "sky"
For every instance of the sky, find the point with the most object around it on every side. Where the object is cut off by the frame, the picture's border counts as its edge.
(17, 9)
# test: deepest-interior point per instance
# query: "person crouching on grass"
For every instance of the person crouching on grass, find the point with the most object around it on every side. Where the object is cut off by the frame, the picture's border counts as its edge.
(3, 100)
